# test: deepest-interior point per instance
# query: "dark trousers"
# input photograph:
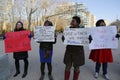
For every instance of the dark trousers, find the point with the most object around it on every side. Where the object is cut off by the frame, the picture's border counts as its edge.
(42, 67)
(104, 67)
(17, 65)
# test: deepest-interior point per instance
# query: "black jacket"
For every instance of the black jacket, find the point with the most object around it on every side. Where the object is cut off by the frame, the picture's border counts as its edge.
(46, 45)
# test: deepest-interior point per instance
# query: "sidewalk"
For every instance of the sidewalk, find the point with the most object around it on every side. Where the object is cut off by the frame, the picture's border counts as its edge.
(86, 71)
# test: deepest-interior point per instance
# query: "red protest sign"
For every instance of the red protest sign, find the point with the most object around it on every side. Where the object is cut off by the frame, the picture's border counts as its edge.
(17, 41)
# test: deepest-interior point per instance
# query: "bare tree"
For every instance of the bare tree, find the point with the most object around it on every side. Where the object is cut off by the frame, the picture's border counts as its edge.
(29, 10)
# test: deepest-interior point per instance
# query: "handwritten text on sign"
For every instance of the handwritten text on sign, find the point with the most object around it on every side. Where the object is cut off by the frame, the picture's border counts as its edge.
(76, 36)
(104, 37)
(17, 41)
(44, 34)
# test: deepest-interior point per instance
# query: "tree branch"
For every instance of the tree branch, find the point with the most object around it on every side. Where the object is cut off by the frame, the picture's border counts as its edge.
(34, 10)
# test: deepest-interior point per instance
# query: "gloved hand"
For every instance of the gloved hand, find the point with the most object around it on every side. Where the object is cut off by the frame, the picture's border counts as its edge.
(90, 38)
(63, 38)
(30, 36)
(117, 36)
(4, 37)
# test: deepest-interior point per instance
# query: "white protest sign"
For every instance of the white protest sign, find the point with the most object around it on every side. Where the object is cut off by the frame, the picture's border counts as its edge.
(44, 33)
(76, 36)
(104, 37)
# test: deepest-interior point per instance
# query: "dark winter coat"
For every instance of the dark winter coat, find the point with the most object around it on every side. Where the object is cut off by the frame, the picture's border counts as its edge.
(47, 45)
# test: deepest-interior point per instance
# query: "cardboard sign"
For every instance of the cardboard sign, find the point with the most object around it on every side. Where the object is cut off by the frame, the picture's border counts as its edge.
(17, 41)
(44, 33)
(104, 37)
(76, 36)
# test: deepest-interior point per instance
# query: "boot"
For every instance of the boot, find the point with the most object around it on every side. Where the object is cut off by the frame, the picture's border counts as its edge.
(18, 72)
(50, 77)
(17, 66)
(42, 77)
(25, 68)
(24, 75)
(76, 75)
(67, 75)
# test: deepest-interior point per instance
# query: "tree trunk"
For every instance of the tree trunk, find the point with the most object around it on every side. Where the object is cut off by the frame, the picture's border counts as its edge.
(29, 19)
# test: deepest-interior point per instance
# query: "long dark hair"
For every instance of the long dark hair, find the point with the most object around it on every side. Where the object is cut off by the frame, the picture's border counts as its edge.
(49, 23)
(20, 28)
(99, 21)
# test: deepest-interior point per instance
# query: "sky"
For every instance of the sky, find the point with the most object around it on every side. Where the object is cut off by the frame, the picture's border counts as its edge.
(103, 9)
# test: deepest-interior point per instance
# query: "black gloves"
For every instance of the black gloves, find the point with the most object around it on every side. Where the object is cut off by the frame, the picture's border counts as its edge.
(90, 38)
(117, 36)
(63, 38)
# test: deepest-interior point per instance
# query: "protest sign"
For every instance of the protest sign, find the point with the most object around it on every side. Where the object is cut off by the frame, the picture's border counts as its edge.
(44, 33)
(76, 36)
(104, 37)
(17, 41)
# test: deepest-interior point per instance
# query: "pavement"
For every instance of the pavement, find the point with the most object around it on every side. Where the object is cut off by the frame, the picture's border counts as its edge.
(86, 71)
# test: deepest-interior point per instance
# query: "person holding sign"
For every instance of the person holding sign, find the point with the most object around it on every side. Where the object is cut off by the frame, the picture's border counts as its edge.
(46, 51)
(20, 55)
(74, 55)
(101, 56)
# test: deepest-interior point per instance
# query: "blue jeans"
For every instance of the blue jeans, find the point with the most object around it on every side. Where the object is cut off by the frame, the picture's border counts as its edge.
(104, 67)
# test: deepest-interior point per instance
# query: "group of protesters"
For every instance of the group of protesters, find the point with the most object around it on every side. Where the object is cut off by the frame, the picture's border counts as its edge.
(74, 55)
